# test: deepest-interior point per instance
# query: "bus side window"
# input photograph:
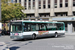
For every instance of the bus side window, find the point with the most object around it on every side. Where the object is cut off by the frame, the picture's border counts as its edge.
(33, 27)
(60, 26)
(27, 27)
(48, 26)
(51, 26)
(42, 27)
(37, 27)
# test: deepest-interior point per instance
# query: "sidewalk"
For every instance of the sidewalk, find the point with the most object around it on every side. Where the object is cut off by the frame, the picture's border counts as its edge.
(3, 46)
(70, 33)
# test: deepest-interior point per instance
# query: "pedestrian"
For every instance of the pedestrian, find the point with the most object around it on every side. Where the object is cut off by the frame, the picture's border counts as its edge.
(0, 32)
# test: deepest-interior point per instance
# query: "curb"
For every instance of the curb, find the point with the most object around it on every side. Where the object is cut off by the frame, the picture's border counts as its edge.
(69, 33)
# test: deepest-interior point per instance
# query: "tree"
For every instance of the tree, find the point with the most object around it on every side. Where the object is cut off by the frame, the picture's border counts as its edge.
(11, 11)
(4, 1)
(17, 12)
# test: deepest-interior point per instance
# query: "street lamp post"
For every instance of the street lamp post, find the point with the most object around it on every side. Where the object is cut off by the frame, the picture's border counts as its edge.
(0, 16)
(0, 10)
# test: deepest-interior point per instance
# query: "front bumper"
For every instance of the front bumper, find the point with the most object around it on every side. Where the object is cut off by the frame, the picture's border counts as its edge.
(16, 37)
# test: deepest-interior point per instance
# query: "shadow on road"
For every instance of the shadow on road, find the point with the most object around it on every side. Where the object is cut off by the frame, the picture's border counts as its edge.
(39, 38)
(14, 48)
(52, 37)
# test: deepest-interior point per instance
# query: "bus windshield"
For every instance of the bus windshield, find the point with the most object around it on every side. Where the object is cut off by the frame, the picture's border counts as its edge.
(16, 27)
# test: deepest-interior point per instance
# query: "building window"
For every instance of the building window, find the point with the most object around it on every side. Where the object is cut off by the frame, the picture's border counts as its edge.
(66, 3)
(33, 4)
(29, 5)
(60, 3)
(15, 1)
(48, 3)
(44, 14)
(25, 7)
(73, 13)
(20, 1)
(29, 0)
(25, 4)
(33, 0)
(44, 6)
(39, 4)
(61, 14)
(73, 2)
(48, 6)
(25, 0)
(55, 4)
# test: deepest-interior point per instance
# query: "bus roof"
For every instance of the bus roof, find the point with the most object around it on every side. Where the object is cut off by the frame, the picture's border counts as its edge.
(35, 21)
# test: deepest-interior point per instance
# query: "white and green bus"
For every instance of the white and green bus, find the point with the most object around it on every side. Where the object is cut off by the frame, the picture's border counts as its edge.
(22, 29)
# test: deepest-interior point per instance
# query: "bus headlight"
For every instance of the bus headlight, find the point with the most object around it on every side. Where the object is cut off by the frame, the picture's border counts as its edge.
(10, 34)
(20, 34)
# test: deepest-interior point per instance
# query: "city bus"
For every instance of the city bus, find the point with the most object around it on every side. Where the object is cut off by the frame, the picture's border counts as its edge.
(24, 29)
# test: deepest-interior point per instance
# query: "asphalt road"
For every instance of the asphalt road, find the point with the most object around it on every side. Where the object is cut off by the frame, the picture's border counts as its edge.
(47, 43)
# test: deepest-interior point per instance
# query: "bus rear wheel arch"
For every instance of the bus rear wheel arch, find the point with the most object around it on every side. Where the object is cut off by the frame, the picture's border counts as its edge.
(56, 34)
(34, 36)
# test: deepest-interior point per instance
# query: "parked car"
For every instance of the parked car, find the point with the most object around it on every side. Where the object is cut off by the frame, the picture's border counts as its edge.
(5, 32)
(8, 32)
(2, 32)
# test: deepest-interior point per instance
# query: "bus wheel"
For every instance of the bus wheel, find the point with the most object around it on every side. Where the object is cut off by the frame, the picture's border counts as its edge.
(56, 35)
(33, 36)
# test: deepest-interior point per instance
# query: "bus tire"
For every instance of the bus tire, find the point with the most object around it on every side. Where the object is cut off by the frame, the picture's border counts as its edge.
(33, 36)
(56, 35)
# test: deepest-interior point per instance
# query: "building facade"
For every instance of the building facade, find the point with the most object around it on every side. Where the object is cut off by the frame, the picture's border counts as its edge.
(52, 10)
